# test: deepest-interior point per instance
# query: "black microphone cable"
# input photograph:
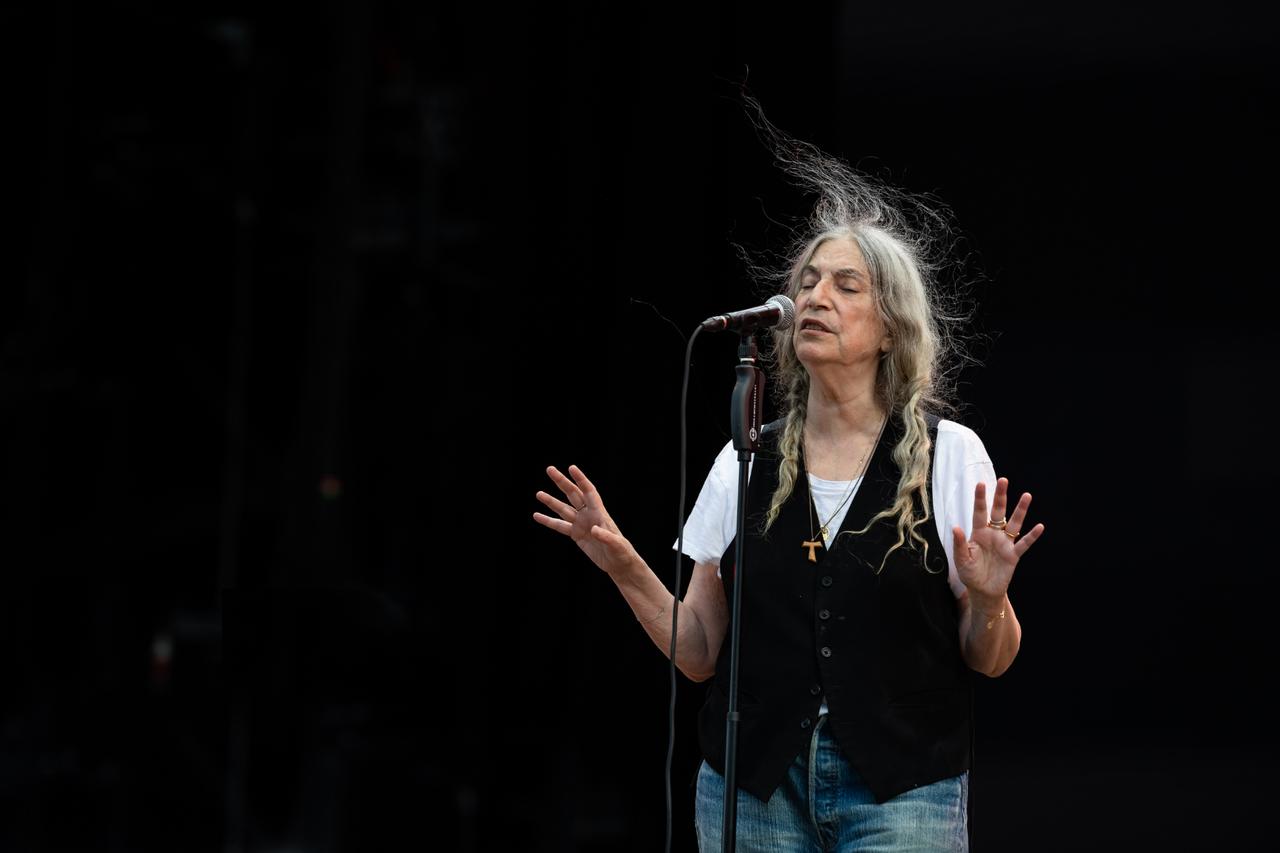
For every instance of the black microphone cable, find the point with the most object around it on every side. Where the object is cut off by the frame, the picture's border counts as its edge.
(675, 599)
(787, 313)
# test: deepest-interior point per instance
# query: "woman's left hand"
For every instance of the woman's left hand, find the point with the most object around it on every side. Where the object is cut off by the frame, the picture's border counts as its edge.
(986, 561)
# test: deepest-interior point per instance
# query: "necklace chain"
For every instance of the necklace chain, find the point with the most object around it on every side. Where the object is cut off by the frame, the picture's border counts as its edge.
(853, 487)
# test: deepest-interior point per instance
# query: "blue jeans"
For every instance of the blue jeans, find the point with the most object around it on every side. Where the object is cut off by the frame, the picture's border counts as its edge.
(823, 805)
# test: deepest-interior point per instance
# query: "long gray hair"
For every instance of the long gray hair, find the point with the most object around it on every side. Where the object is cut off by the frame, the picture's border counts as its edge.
(905, 240)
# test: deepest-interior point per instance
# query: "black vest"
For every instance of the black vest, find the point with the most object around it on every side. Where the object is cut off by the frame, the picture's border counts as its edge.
(883, 647)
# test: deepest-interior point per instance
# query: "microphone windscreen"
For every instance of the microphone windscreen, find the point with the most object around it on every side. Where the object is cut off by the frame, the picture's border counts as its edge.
(788, 311)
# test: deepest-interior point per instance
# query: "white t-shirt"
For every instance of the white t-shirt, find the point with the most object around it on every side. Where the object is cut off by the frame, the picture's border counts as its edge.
(960, 462)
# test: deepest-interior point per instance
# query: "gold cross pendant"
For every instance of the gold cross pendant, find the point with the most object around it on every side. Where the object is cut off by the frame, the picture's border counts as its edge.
(812, 546)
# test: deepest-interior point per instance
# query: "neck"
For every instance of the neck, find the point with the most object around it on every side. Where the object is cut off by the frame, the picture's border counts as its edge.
(842, 412)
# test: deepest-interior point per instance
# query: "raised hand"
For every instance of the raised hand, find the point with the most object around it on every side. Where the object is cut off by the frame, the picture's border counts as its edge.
(582, 517)
(986, 561)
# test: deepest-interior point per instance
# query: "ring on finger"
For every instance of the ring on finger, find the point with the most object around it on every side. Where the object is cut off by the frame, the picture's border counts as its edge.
(998, 525)
(1011, 534)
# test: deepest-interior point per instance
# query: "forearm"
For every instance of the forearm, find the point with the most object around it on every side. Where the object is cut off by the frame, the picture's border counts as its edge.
(654, 608)
(989, 640)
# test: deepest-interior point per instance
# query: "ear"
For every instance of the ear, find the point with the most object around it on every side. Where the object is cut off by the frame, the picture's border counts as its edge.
(886, 344)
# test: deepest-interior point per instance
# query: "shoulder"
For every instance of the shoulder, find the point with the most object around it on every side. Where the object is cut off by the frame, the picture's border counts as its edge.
(960, 445)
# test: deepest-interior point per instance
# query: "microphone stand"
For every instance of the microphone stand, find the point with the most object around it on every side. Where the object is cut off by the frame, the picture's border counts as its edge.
(745, 417)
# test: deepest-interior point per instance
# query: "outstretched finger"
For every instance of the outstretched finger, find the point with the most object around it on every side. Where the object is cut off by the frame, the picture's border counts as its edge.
(1027, 540)
(999, 502)
(556, 524)
(1019, 515)
(564, 510)
(960, 544)
(587, 488)
(571, 491)
(980, 516)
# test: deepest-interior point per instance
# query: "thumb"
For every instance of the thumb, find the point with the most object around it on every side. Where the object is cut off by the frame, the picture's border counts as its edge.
(598, 532)
(607, 537)
(960, 542)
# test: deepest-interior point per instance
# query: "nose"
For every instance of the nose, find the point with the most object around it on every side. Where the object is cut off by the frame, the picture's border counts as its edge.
(820, 293)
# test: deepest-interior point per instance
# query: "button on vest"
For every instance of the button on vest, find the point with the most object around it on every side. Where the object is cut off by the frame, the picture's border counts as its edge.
(881, 643)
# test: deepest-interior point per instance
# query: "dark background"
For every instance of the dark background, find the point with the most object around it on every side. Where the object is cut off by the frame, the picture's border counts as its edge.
(301, 301)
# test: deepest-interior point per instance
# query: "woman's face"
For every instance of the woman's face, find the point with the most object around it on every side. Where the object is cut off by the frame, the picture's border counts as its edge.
(837, 323)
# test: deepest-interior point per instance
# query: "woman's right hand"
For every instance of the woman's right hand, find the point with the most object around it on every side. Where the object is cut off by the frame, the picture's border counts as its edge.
(582, 517)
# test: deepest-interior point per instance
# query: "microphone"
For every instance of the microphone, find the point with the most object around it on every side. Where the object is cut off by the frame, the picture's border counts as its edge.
(779, 311)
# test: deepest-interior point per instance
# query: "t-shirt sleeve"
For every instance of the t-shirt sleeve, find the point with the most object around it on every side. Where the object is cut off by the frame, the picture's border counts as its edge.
(960, 462)
(710, 526)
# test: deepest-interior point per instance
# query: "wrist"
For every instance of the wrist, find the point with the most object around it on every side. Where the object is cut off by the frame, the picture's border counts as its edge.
(629, 572)
(988, 610)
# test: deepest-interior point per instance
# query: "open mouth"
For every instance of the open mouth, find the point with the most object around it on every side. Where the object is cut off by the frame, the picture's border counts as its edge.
(813, 326)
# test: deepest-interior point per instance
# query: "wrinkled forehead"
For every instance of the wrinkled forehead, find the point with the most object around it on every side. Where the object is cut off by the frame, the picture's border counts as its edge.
(838, 255)
(837, 251)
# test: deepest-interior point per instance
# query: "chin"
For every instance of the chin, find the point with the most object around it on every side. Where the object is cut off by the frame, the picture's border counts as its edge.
(812, 347)
(809, 360)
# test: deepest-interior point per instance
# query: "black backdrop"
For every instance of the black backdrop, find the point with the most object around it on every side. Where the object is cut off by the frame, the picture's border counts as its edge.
(302, 301)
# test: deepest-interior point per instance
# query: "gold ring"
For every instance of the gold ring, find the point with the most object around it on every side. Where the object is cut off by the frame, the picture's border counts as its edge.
(1010, 534)
(998, 525)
